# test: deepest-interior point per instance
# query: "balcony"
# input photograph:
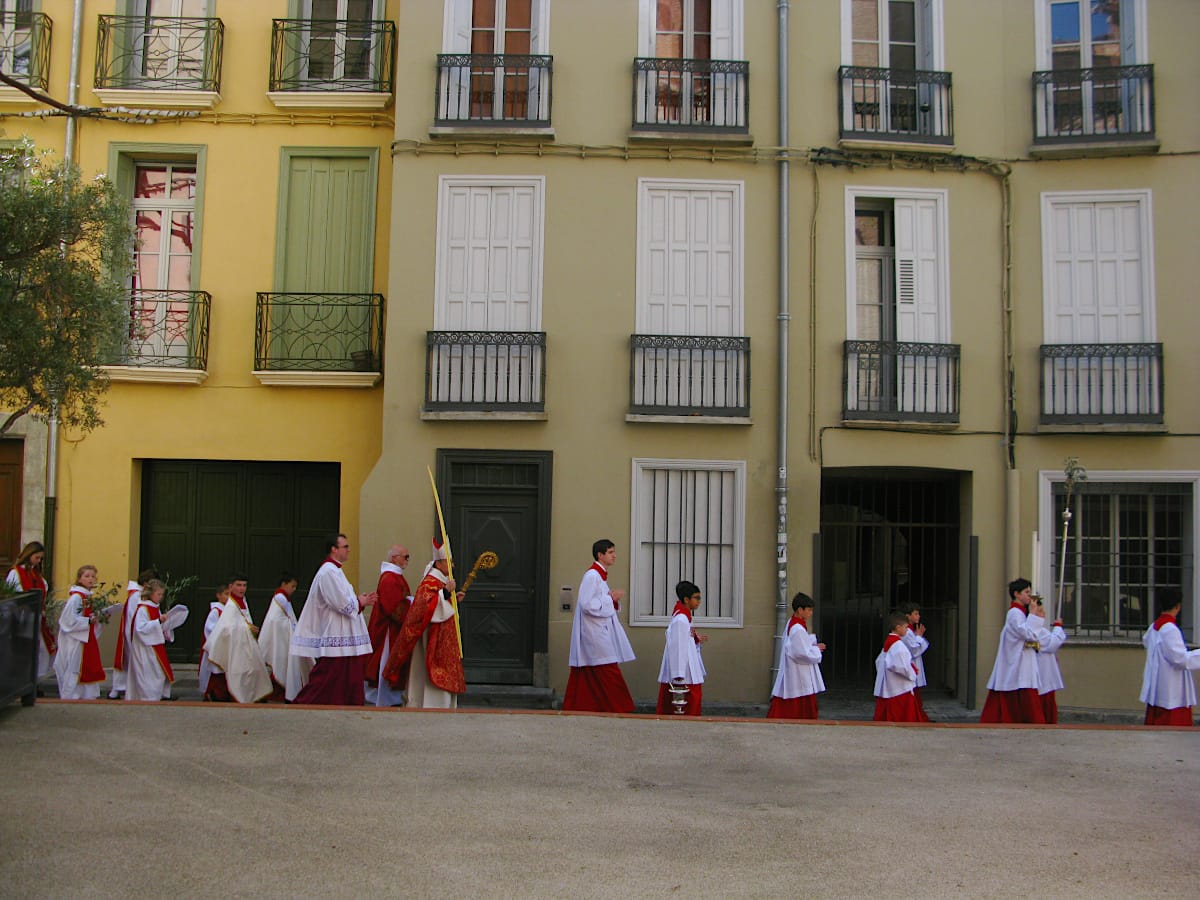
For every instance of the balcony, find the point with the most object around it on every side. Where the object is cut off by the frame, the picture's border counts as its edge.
(159, 61)
(485, 371)
(24, 52)
(1102, 384)
(895, 105)
(324, 63)
(894, 381)
(1105, 105)
(166, 339)
(493, 91)
(681, 375)
(319, 339)
(699, 96)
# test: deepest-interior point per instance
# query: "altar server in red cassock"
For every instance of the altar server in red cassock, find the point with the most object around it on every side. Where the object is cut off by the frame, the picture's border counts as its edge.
(77, 664)
(916, 642)
(1168, 686)
(598, 642)
(794, 695)
(332, 632)
(133, 594)
(681, 661)
(896, 676)
(26, 575)
(387, 617)
(148, 670)
(1013, 687)
(1050, 680)
(428, 641)
(275, 638)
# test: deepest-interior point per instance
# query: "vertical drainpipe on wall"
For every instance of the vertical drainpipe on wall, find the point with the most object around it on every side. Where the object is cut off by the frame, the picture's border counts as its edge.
(51, 512)
(781, 483)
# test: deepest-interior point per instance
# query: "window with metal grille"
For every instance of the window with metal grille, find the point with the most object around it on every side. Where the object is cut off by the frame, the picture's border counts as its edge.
(1126, 541)
(688, 524)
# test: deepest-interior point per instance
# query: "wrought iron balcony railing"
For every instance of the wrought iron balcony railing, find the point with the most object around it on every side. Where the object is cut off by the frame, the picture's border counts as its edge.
(901, 381)
(681, 375)
(333, 55)
(159, 53)
(1108, 103)
(500, 90)
(1102, 383)
(25, 47)
(477, 371)
(691, 95)
(895, 104)
(167, 330)
(319, 332)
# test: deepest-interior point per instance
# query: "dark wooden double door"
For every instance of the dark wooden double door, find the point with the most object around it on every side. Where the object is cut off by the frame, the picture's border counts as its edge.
(500, 501)
(214, 518)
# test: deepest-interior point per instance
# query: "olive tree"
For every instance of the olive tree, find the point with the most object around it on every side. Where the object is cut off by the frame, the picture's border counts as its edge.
(65, 263)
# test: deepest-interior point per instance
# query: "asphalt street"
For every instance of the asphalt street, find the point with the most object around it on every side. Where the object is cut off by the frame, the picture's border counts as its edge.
(105, 799)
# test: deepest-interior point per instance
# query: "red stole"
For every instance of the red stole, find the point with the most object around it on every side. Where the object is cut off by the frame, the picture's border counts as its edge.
(1018, 605)
(596, 567)
(387, 618)
(681, 608)
(889, 642)
(793, 622)
(91, 669)
(119, 656)
(1162, 620)
(160, 650)
(33, 581)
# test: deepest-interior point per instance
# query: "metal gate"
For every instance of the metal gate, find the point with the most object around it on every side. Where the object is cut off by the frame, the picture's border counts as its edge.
(886, 539)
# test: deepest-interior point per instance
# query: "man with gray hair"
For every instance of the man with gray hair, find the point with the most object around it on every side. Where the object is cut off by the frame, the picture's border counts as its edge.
(386, 618)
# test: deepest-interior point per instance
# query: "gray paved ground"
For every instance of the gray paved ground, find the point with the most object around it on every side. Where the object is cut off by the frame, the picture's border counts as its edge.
(180, 799)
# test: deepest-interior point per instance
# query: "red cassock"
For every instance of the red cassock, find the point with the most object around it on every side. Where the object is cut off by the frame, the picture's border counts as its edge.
(1013, 707)
(387, 618)
(901, 708)
(1180, 715)
(666, 708)
(443, 662)
(597, 689)
(795, 708)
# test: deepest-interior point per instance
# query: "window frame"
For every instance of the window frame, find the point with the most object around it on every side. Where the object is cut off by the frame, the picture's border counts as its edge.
(1041, 32)
(640, 614)
(1144, 198)
(1048, 531)
(648, 30)
(936, 34)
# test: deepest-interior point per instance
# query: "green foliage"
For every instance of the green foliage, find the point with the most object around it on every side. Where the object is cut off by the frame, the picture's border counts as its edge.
(65, 263)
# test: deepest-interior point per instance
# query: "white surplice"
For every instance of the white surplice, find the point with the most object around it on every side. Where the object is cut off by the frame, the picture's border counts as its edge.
(800, 665)
(1167, 680)
(275, 638)
(146, 679)
(73, 629)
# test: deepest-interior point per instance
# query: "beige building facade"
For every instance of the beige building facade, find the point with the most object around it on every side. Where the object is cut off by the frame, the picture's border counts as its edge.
(842, 343)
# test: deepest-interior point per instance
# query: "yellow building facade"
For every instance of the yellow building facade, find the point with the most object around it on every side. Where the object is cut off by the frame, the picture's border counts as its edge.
(830, 323)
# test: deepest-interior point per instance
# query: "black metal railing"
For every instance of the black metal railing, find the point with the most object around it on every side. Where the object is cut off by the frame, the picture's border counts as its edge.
(318, 332)
(497, 89)
(1102, 383)
(166, 330)
(682, 375)
(1109, 103)
(485, 371)
(901, 381)
(904, 104)
(25, 47)
(691, 95)
(159, 53)
(332, 55)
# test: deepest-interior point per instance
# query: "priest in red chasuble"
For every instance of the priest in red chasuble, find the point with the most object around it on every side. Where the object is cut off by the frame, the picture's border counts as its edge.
(428, 640)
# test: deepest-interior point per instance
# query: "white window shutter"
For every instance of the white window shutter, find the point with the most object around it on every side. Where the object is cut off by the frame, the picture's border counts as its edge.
(919, 293)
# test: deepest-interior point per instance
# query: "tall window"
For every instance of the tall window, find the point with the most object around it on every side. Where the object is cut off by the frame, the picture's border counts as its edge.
(164, 208)
(166, 48)
(897, 278)
(1126, 542)
(499, 81)
(1084, 43)
(16, 25)
(340, 41)
(899, 37)
(688, 523)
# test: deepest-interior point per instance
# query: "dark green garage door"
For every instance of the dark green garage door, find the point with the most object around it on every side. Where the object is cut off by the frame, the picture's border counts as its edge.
(211, 519)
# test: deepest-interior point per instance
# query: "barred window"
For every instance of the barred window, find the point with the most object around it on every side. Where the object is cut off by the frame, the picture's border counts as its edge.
(1127, 542)
(688, 524)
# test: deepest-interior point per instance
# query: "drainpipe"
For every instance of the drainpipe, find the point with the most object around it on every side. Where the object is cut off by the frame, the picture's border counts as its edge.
(782, 608)
(51, 511)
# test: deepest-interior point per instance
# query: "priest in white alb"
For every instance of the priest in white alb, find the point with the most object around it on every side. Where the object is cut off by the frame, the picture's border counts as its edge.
(332, 632)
